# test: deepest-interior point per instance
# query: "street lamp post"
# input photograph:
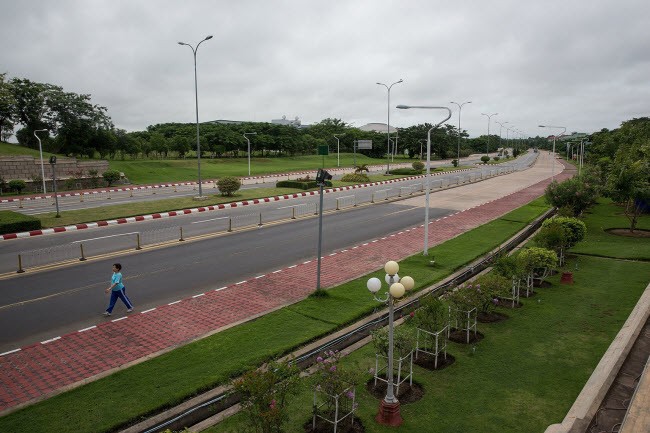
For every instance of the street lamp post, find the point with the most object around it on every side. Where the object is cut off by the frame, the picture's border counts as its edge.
(246, 134)
(563, 128)
(389, 408)
(196, 99)
(487, 146)
(338, 149)
(388, 124)
(40, 150)
(460, 108)
(500, 129)
(428, 177)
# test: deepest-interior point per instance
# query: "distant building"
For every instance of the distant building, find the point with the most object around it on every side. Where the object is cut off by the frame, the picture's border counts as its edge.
(285, 121)
(377, 127)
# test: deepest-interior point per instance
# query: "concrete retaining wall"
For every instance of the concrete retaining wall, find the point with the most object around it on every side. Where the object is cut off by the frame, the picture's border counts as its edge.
(28, 168)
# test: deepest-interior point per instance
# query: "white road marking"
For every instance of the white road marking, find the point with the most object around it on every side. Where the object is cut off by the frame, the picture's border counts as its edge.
(175, 302)
(87, 329)
(200, 294)
(50, 340)
(105, 237)
(147, 311)
(11, 351)
(211, 219)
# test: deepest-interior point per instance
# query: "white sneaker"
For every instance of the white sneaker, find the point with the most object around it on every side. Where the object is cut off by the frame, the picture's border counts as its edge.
(129, 310)
(106, 314)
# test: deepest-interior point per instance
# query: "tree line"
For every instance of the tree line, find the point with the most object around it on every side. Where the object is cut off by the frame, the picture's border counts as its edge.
(77, 127)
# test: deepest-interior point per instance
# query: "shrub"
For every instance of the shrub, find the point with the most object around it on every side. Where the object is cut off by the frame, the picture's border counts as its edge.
(577, 194)
(496, 158)
(361, 168)
(111, 176)
(418, 165)
(534, 257)
(330, 377)
(552, 236)
(508, 266)
(301, 185)
(485, 159)
(403, 341)
(3, 183)
(228, 185)
(17, 185)
(493, 286)
(94, 179)
(355, 177)
(14, 222)
(405, 172)
(454, 162)
(575, 229)
(432, 314)
(264, 395)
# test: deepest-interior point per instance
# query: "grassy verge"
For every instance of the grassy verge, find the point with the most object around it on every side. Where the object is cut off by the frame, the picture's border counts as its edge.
(165, 205)
(166, 380)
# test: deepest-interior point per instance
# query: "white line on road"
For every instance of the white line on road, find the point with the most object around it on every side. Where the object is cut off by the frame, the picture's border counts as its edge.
(117, 320)
(220, 288)
(87, 329)
(175, 302)
(200, 294)
(11, 351)
(211, 219)
(50, 340)
(147, 311)
(287, 207)
(105, 237)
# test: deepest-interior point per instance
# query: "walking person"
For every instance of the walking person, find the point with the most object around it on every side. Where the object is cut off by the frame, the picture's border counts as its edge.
(117, 290)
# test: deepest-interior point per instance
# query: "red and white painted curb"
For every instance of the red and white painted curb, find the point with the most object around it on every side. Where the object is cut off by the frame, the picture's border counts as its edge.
(199, 209)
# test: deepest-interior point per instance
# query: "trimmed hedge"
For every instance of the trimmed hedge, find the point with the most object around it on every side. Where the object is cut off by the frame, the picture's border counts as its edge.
(300, 184)
(14, 222)
(406, 171)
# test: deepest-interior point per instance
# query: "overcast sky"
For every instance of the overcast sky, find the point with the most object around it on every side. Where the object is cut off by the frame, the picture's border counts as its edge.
(580, 64)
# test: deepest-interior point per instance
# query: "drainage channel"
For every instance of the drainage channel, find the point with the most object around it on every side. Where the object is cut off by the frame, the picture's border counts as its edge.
(222, 398)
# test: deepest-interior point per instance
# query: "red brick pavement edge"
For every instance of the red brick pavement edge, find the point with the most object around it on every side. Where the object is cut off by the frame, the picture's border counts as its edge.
(44, 369)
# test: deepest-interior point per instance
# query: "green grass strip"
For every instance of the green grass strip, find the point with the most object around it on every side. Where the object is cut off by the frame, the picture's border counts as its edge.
(166, 380)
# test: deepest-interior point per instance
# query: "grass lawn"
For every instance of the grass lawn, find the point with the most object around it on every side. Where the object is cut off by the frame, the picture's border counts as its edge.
(525, 373)
(528, 370)
(165, 380)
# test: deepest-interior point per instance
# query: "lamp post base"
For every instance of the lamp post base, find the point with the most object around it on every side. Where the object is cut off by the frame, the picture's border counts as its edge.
(389, 414)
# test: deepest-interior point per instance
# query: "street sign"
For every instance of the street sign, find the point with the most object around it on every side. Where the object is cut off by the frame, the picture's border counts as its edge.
(323, 149)
(364, 144)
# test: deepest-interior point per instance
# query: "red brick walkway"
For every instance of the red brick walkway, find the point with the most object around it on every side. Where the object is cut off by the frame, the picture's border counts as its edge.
(41, 370)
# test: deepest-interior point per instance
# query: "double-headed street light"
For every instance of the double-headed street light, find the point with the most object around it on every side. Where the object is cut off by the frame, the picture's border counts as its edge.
(427, 182)
(460, 108)
(196, 98)
(487, 146)
(388, 124)
(563, 128)
(246, 134)
(40, 150)
(500, 129)
(338, 149)
(389, 412)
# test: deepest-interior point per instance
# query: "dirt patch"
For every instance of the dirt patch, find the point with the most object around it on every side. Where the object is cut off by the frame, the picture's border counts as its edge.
(407, 393)
(459, 336)
(509, 303)
(638, 233)
(348, 425)
(428, 362)
(491, 317)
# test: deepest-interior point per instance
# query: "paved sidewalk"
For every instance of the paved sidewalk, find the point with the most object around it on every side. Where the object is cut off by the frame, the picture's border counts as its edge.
(44, 369)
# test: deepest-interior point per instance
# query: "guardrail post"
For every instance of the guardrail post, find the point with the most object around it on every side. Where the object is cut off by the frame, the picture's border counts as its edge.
(137, 236)
(20, 265)
(372, 198)
(354, 201)
(131, 193)
(83, 257)
(175, 191)
(260, 224)
(109, 195)
(181, 239)
(230, 224)
(214, 184)
(20, 203)
(293, 213)
(337, 204)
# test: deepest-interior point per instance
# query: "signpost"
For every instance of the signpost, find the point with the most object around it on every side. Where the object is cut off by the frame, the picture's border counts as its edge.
(56, 196)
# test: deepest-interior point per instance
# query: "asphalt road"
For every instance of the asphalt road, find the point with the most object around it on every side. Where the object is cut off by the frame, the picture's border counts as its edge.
(42, 305)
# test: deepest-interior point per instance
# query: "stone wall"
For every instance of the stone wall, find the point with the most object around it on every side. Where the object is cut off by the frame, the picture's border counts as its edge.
(28, 168)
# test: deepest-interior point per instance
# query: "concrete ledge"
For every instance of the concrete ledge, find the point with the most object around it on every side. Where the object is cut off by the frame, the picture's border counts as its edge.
(594, 391)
